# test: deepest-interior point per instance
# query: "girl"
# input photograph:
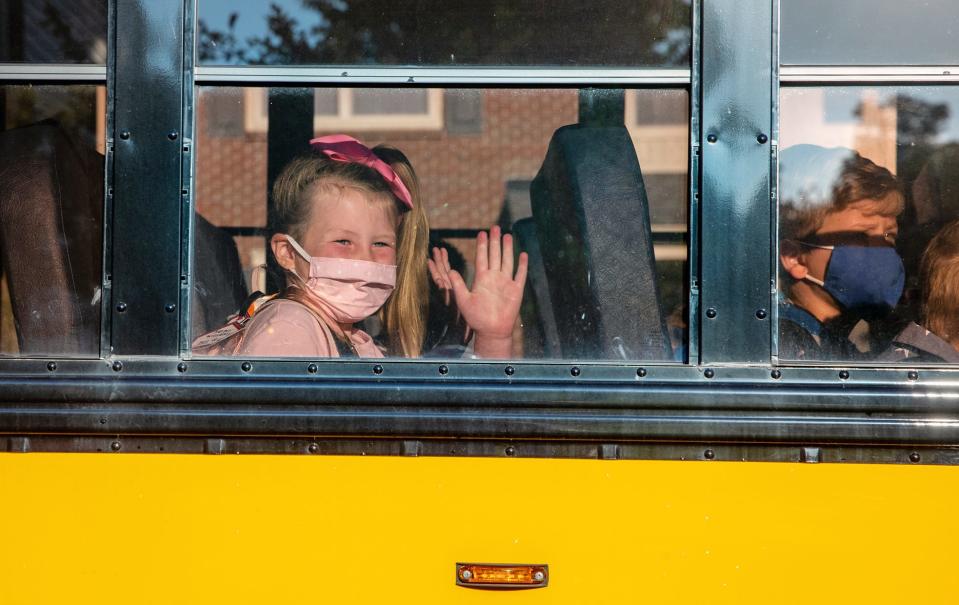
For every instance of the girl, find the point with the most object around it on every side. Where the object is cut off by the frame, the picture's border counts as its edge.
(343, 219)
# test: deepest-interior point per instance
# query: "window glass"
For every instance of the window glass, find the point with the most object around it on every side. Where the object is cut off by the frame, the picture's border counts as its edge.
(868, 32)
(53, 31)
(482, 158)
(869, 224)
(51, 207)
(434, 32)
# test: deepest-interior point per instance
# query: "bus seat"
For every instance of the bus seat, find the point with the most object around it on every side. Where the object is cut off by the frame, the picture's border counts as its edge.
(51, 204)
(540, 335)
(219, 288)
(592, 222)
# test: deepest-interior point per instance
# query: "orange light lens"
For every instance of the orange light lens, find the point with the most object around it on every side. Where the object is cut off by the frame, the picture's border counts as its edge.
(502, 575)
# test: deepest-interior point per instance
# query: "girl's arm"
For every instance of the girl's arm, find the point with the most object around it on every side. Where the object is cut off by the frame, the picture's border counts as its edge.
(492, 305)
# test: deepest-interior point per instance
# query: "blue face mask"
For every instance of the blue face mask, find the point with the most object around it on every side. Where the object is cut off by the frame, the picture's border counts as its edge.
(866, 280)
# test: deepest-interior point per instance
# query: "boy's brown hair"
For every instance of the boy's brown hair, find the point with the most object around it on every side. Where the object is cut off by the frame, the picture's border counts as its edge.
(854, 178)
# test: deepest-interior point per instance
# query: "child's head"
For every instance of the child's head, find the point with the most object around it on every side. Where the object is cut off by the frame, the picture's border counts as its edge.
(334, 209)
(838, 224)
(940, 284)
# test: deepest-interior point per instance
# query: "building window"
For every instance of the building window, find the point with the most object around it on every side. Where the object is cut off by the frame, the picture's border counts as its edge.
(358, 109)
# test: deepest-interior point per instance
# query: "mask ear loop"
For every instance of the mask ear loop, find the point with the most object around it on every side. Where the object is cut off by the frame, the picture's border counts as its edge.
(808, 277)
(303, 253)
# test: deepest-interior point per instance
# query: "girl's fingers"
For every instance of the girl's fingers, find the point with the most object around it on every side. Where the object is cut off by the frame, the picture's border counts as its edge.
(460, 291)
(521, 270)
(434, 272)
(446, 260)
(482, 252)
(508, 255)
(495, 250)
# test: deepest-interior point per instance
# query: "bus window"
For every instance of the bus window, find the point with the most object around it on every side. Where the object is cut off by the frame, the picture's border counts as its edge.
(53, 31)
(368, 33)
(477, 154)
(51, 207)
(869, 32)
(869, 199)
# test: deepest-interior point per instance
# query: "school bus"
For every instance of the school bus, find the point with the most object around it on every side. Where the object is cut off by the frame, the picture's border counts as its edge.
(649, 443)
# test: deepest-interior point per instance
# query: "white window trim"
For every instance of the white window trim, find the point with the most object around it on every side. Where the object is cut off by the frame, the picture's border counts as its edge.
(255, 114)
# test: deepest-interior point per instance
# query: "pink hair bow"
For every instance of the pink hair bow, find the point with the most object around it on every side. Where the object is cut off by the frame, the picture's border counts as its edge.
(343, 148)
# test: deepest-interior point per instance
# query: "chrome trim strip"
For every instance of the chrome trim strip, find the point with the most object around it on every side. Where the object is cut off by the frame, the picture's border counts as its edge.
(33, 72)
(438, 75)
(858, 73)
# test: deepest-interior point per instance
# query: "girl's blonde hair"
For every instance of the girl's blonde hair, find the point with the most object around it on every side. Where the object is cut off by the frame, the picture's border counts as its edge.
(940, 284)
(404, 314)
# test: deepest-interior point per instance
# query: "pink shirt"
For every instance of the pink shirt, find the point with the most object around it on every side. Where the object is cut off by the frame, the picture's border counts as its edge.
(285, 328)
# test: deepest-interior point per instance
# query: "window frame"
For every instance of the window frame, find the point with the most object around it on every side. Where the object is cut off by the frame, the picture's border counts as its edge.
(725, 392)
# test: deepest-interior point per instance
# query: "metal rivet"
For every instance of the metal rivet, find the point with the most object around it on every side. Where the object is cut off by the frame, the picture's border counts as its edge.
(124, 134)
(761, 139)
(173, 135)
(186, 148)
(539, 576)
(169, 308)
(115, 446)
(314, 448)
(776, 374)
(712, 138)
(121, 307)
(843, 375)
(709, 373)
(444, 370)
(914, 457)
(103, 419)
(377, 369)
(760, 313)
(641, 372)
(312, 368)
(246, 366)
(711, 313)
(117, 366)
(181, 367)
(912, 375)
(574, 371)
(709, 454)
(510, 450)
(52, 366)
(510, 370)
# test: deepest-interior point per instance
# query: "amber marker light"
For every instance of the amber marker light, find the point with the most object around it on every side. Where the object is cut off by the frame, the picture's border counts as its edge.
(495, 575)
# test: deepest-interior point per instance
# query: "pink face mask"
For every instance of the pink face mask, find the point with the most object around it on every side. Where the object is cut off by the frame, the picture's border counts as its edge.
(349, 290)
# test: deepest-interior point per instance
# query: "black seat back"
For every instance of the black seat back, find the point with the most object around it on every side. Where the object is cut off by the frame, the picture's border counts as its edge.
(592, 221)
(51, 239)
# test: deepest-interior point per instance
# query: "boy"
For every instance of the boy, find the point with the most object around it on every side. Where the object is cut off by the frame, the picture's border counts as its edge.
(837, 235)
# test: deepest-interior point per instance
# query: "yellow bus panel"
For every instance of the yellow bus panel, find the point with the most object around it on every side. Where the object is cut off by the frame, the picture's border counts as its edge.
(154, 528)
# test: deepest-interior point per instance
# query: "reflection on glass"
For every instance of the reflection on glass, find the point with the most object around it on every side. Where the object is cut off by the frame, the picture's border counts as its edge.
(51, 204)
(475, 165)
(869, 196)
(869, 32)
(53, 31)
(436, 32)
